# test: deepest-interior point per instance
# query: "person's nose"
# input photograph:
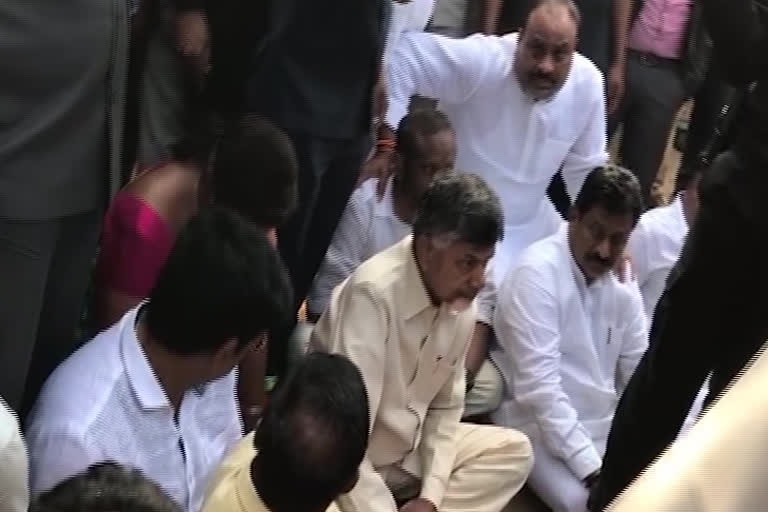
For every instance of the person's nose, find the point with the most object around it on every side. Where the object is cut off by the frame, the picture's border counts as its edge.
(546, 65)
(477, 278)
(604, 249)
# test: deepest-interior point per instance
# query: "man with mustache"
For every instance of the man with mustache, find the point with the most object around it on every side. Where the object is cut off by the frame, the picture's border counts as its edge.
(405, 317)
(523, 106)
(570, 336)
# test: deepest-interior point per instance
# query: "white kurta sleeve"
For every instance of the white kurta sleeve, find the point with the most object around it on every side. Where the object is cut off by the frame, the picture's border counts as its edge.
(590, 149)
(356, 326)
(486, 302)
(14, 471)
(635, 341)
(526, 323)
(344, 254)
(439, 67)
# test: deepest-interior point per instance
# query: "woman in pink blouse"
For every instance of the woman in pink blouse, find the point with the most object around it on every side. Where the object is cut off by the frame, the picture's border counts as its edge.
(251, 167)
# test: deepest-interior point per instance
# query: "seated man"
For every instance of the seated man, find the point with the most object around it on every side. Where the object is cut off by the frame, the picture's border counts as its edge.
(106, 487)
(426, 147)
(657, 241)
(406, 317)
(569, 337)
(157, 390)
(307, 448)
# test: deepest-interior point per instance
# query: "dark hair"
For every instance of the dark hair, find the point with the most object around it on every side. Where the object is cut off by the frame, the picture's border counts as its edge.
(417, 125)
(613, 188)
(462, 204)
(313, 435)
(570, 5)
(222, 280)
(254, 171)
(250, 164)
(106, 487)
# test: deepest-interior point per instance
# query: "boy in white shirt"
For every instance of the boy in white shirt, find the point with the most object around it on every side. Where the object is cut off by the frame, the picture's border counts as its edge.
(570, 335)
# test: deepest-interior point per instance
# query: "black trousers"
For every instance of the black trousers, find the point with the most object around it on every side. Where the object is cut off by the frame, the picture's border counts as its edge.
(45, 269)
(653, 95)
(711, 318)
(328, 173)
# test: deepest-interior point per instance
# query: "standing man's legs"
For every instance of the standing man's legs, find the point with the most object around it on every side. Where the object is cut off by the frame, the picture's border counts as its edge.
(712, 317)
(69, 277)
(44, 271)
(26, 248)
(328, 173)
(655, 92)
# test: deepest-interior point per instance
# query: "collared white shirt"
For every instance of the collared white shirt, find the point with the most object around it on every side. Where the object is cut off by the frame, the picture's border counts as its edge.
(566, 351)
(105, 403)
(515, 143)
(367, 227)
(411, 354)
(14, 464)
(655, 247)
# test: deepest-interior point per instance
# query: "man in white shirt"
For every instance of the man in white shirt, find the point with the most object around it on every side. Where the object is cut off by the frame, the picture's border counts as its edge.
(157, 390)
(405, 317)
(14, 466)
(523, 106)
(425, 147)
(570, 334)
(657, 241)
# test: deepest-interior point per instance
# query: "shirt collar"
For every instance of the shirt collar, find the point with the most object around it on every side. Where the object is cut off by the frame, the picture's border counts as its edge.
(416, 299)
(143, 381)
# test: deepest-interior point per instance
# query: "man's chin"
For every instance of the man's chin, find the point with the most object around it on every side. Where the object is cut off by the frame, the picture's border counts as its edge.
(459, 305)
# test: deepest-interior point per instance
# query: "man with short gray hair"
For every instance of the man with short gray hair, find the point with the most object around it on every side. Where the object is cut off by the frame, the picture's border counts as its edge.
(405, 317)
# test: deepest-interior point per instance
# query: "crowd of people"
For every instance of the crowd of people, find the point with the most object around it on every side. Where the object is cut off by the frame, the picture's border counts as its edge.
(372, 256)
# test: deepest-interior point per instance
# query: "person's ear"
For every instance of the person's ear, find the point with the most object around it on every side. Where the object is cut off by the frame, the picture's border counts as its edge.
(227, 353)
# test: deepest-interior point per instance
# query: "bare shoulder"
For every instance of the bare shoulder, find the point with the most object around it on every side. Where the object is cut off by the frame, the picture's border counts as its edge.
(170, 189)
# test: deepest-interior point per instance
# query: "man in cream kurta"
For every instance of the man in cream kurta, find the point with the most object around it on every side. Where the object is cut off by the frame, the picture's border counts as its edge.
(570, 335)
(523, 106)
(410, 349)
(720, 465)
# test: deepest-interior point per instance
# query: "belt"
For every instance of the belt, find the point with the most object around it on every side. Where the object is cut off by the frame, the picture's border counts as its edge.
(651, 60)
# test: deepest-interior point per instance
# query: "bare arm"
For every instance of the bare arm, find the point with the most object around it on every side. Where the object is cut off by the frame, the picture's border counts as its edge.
(491, 15)
(616, 79)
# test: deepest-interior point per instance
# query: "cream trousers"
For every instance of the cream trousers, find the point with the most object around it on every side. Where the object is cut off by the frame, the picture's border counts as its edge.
(491, 466)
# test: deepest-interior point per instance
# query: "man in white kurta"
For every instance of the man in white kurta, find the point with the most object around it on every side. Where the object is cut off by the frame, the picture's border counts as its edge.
(523, 106)
(405, 317)
(570, 335)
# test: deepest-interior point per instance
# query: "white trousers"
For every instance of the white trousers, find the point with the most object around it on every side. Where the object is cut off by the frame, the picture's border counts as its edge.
(485, 395)
(555, 484)
(491, 466)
